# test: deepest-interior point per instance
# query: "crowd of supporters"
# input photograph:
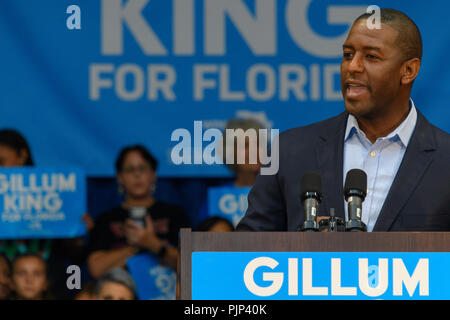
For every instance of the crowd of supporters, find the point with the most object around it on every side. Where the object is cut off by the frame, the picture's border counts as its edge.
(36, 268)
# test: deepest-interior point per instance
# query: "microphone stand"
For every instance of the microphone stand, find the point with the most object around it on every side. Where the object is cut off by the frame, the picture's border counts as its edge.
(334, 224)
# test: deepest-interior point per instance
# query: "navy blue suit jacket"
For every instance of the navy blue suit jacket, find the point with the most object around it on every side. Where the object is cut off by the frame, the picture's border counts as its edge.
(418, 200)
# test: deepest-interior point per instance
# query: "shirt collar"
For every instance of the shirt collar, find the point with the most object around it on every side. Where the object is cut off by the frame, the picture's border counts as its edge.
(403, 131)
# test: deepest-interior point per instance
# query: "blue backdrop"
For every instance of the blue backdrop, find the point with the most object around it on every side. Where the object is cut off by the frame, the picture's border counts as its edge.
(139, 69)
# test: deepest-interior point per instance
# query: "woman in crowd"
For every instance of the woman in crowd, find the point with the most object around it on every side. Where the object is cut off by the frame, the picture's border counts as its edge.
(15, 152)
(244, 173)
(14, 149)
(120, 234)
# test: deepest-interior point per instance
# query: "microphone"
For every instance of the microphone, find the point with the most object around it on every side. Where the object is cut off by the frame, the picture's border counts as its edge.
(355, 190)
(311, 196)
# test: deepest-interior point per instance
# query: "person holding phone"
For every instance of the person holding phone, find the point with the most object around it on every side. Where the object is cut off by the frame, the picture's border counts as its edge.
(140, 223)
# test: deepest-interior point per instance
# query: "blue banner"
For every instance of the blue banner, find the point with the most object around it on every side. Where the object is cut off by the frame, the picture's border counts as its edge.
(228, 202)
(153, 280)
(120, 72)
(320, 275)
(42, 202)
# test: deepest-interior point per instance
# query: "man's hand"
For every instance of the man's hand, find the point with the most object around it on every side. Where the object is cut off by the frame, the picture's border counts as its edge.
(320, 218)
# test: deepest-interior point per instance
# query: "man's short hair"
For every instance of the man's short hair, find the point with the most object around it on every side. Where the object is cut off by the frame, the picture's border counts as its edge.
(409, 39)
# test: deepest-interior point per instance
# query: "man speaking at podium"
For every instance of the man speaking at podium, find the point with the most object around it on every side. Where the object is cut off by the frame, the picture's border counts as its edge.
(406, 159)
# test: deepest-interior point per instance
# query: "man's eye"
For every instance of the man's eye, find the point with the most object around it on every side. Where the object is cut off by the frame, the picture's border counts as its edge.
(372, 57)
(347, 54)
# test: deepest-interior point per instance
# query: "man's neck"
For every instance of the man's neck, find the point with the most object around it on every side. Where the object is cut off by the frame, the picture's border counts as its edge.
(245, 178)
(378, 127)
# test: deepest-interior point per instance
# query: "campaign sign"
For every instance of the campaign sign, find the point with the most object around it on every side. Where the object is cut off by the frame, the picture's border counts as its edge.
(116, 71)
(228, 202)
(153, 280)
(320, 275)
(42, 202)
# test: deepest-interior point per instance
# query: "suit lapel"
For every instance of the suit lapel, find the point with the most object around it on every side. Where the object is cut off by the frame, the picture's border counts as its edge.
(415, 161)
(330, 156)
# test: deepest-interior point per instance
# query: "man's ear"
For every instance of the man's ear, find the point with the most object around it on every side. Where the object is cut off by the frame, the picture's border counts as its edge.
(409, 71)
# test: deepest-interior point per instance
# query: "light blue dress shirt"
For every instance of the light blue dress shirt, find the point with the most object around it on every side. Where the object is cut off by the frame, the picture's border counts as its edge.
(379, 160)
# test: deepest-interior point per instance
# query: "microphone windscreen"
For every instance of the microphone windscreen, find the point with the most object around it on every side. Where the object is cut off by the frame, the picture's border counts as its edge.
(311, 182)
(356, 179)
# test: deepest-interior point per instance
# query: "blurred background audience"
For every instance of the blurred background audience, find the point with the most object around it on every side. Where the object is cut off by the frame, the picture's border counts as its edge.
(137, 222)
(215, 224)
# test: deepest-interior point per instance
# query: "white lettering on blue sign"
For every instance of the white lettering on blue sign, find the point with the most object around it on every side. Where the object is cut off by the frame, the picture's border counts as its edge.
(57, 182)
(258, 29)
(232, 204)
(41, 201)
(400, 278)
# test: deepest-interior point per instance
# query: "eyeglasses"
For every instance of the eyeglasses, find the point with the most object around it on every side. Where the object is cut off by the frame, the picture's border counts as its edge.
(140, 169)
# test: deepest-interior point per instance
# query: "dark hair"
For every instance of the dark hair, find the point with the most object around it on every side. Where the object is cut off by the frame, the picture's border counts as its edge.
(14, 140)
(144, 153)
(8, 274)
(28, 255)
(8, 263)
(209, 223)
(409, 38)
(88, 288)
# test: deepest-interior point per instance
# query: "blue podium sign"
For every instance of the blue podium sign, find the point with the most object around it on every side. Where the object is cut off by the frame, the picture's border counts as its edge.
(228, 202)
(38, 202)
(320, 275)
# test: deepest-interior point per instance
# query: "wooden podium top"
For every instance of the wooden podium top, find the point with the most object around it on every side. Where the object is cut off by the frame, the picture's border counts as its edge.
(316, 241)
(302, 242)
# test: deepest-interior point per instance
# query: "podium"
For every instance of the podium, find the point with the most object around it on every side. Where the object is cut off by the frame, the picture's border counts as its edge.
(295, 265)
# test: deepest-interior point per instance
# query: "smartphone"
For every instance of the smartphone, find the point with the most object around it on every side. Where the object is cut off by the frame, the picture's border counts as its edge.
(137, 214)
